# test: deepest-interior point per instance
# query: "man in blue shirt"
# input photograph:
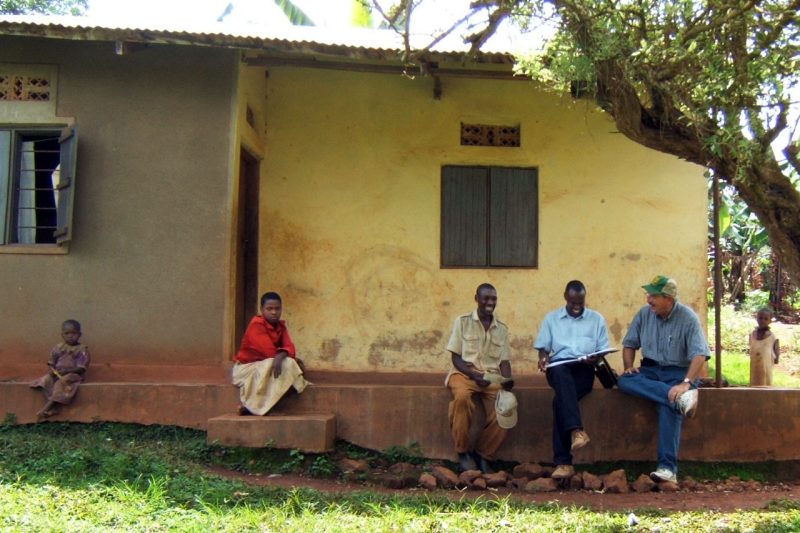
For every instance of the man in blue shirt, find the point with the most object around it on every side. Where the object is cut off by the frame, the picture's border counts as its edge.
(566, 334)
(674, 349)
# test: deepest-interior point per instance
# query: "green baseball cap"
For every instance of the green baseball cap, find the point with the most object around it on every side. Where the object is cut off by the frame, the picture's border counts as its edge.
(662, 285)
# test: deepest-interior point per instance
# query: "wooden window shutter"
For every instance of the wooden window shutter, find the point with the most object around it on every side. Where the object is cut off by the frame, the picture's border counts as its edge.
(66, 184)
(464, 216)
(5, 177)
(513, 216)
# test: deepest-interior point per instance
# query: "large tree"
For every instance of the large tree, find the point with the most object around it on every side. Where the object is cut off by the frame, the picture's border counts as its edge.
(713, 82)
(43, 7)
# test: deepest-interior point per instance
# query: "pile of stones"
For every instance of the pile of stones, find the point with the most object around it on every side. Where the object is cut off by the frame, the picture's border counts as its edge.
(529, 477)
(533, 477)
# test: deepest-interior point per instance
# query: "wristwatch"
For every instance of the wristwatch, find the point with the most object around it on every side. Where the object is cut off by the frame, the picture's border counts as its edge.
(687, 380)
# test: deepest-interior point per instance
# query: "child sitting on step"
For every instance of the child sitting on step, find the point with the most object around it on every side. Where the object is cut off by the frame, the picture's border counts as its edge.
(68, 362)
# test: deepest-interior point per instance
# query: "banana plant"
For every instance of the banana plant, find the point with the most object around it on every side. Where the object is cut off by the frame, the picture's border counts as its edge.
(743, 240)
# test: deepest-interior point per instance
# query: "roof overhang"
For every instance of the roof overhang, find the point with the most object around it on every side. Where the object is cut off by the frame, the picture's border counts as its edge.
(309, 44)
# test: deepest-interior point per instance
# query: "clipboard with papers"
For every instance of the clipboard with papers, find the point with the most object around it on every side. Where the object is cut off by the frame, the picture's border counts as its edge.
(598, 353)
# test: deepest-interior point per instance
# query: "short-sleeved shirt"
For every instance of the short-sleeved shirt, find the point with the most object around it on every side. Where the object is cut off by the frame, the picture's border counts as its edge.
(671, 341)
(480, 348)
(564, 337)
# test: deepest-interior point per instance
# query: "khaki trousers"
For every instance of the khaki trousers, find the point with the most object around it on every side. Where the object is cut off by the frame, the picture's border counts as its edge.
(258, 390)
(460, 416)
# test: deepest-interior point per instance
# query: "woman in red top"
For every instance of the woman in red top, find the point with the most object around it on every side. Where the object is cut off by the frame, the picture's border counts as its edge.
(266, 364)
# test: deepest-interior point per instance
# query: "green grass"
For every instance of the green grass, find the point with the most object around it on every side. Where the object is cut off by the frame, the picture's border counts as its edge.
(116, 477)
(735, 328)
(736, 369)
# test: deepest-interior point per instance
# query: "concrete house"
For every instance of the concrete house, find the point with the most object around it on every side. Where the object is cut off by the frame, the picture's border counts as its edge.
(195, 170)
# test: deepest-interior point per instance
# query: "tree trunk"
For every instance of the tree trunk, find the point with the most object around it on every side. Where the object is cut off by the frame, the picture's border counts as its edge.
(776, 203)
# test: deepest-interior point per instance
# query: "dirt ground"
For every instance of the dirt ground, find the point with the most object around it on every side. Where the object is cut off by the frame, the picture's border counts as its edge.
(787, 334)
(711, 500)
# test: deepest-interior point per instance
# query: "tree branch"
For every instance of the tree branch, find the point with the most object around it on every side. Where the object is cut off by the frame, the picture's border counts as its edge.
(502, 10)
(781, 121)
(792, 154)
(767, 40)
(734, 13)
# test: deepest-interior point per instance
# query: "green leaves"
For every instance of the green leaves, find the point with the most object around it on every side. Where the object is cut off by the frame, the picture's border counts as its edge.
(295, 15)
(43, 7)
(724, 218)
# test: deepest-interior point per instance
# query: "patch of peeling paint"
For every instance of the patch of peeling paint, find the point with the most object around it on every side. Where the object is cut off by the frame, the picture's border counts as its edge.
(329, 350)
(383, 349)
(520, 344)
(615, 329)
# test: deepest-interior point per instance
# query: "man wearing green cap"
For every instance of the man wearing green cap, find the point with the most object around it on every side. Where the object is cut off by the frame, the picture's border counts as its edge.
(674, 349)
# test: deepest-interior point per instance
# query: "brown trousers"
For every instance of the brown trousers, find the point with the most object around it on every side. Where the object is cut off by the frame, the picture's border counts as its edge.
(460, 416)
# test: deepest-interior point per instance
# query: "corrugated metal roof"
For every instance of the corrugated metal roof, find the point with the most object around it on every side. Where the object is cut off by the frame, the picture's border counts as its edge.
(368, 43)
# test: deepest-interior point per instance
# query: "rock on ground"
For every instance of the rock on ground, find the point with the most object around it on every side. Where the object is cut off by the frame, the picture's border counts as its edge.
(616, 482)
(427, 481)
(542, 484)
(468, 476)
(478, 484)
(591, 482)
(498, 479)
(519, 482)
(352, 466)
(668, 486)
(530, 471)
(643, 484)
(447, 478)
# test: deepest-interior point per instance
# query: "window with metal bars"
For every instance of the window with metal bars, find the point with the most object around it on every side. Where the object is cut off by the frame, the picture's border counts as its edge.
(37, 176)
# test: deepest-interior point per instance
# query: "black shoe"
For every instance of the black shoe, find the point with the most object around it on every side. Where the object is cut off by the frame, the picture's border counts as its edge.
(466, 462)
(484, 464)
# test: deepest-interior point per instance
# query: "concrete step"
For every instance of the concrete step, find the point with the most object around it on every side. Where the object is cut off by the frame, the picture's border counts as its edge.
(310, 433)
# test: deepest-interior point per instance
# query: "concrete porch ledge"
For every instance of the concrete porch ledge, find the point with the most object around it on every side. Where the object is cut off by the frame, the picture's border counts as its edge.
(313, 433)
(737, 424)
(122, 373)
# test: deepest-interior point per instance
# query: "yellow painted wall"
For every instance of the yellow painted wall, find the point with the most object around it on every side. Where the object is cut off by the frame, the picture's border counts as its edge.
(351, 206)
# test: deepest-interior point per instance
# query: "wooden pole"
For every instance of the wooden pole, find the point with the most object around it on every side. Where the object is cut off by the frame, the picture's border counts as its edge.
(717, 284)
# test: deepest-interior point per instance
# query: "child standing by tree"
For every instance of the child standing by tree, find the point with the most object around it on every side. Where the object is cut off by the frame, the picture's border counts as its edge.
(764, 350)
(68, 362)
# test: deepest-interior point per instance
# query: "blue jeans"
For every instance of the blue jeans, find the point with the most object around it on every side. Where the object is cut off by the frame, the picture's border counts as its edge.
(570, 382)
(653, 383)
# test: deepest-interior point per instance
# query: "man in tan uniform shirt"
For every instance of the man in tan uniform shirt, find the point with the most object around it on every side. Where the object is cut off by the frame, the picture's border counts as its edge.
(480, 354)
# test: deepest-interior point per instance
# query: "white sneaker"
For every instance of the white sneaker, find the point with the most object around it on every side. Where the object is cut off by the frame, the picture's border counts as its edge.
(663, 474)
(687, 403)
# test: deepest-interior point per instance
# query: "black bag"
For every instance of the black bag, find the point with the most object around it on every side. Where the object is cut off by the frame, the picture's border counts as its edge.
(607, 375)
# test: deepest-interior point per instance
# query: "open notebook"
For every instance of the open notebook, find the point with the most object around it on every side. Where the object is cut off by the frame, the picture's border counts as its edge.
(598, 353)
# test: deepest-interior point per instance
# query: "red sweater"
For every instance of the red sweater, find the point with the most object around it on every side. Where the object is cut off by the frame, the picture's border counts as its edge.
(263, 340)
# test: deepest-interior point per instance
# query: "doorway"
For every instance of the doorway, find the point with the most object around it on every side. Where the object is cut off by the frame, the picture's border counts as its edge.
(247, 243)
